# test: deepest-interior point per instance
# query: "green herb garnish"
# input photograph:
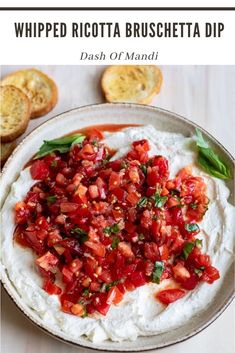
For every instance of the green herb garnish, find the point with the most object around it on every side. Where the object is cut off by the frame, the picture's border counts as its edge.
(141, 236)
(51, 199)
(199, 270)
(80, 234)
(86, 292)
(123, 165)
(108, 286)
(209, 160)
(85, 313)
(143, 168)
(115, 242)
(142, 202)
(159, 201)
(61, 145)
(188, 247)
(54, 163)
(193, 206)
(157, 272)
(198, 243)
(174, 192)
(112, 229)
(191, 227)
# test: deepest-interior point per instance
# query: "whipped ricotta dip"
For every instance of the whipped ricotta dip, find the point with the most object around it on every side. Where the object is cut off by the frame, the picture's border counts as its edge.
(139, 313)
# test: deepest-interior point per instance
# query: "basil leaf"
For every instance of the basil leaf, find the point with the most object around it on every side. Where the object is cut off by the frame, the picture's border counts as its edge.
(115, 242)
(191, 227)
(65, 140)
(86, 292)
(141, 236)
(157, 272)
(54, 164)
(209, 160)
(199, 270)
(144, 169)
(61, 145)
(188, 247)
(108, 286)
(46, 149)
(142, 202)
(221, 171)
(112, 229)
(78, 140)
(159, 201)
(51, 199)
(194, 206)
(85, 313)
(200, 140)
(80, 234)
(175, 192)
(123, 165)
(198, 243)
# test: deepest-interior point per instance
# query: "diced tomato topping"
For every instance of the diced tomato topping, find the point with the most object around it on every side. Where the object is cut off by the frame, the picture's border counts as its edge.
(21, 212)
(114, 295)
(93, 191)
(77, 309)
(51, 288)
(48, 261)
(97, 248)
(67, 207)
(169, 296)
(191, 282)
(125, 249)
(210, 274)
(103, 227)
(39, 170)
(114, 180)
(138, 279)
(180, 272)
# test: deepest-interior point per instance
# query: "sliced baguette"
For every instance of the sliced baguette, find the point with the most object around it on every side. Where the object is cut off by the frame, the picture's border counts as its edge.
(131, 83)
(6, 150)
(40, 89)
(14, 113)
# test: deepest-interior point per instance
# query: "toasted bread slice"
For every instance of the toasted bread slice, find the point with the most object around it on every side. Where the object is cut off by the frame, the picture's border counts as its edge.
(14, 113)
(6, 149)
(131, 83)
(40, 89)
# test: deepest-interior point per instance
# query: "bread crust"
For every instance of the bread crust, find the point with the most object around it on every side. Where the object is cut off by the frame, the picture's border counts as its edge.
(40, 89)
(126, 69)
(6, 149)
(11, 101)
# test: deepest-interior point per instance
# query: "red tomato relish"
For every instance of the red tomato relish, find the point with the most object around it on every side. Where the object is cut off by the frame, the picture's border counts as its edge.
(101, 228)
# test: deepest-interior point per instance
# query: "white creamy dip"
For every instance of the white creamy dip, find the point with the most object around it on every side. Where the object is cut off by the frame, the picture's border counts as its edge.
(138, 313)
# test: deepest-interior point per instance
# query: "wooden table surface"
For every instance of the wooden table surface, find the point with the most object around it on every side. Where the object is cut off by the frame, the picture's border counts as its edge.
(203, 94)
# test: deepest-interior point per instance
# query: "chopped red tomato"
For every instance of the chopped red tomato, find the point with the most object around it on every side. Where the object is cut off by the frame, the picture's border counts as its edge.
(97, 248)
(48, 261)
(114, 295)
(103, 227)
(210, 274)
(169, 296)
(180, 272)
(114, 180)
(51, 288)
(39, 170)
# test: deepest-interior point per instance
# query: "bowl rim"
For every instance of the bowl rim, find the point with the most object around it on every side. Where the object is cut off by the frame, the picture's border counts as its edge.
(7, 284)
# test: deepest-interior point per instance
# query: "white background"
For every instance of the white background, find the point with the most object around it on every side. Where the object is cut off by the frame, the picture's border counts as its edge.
(67, 50)
(204, 94)
(146, 3)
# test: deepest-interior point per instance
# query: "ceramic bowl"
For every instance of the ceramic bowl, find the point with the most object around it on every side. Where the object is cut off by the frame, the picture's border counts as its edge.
(116, 114)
